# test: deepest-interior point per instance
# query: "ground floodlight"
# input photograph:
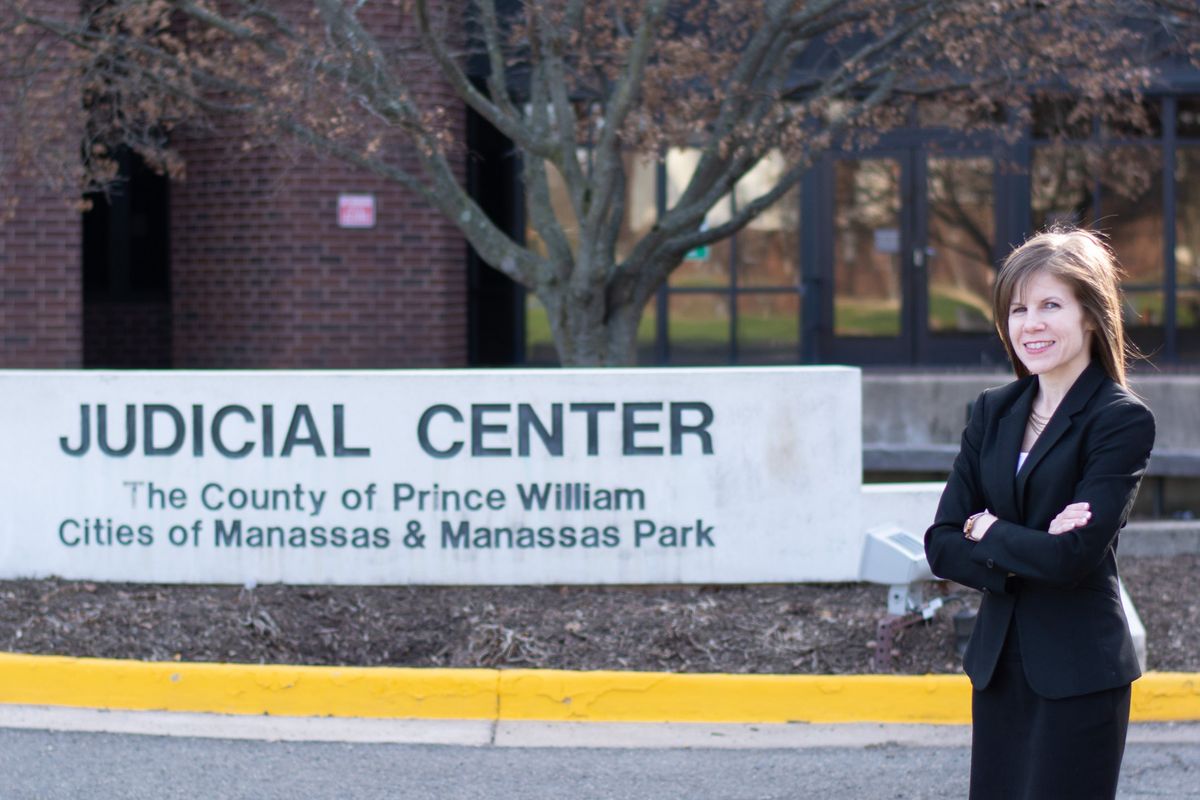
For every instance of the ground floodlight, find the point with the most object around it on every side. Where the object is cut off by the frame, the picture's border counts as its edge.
(896, 558)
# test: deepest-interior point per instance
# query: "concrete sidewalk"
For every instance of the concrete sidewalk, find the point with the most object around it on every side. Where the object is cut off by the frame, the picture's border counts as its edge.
(490, 733)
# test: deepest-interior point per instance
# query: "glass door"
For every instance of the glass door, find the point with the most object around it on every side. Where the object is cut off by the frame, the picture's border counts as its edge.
(867, 307)
(910, 259)
(954, 258)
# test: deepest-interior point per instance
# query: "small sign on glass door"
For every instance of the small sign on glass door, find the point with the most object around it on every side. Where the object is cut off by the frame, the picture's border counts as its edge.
(887, 240)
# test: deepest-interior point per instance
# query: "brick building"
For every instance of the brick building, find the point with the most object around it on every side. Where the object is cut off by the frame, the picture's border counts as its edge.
(880, 256)
(242, 264)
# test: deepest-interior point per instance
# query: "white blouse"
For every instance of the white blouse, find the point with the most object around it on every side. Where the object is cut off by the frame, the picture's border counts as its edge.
(1021, 460)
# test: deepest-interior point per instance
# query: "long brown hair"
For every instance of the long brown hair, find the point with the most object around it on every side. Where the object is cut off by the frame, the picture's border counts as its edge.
(1082, 260)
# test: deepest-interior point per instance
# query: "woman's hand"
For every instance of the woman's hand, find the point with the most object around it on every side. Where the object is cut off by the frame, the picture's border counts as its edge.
(1073, 516)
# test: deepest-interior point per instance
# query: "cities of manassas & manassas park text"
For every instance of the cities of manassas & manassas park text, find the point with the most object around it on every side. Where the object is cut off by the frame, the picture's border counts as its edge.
(225, 529)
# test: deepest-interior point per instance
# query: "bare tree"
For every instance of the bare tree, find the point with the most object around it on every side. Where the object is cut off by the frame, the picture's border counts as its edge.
(578, 86)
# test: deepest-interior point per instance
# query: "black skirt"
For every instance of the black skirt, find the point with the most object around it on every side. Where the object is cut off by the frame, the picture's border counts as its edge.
(1026, 746)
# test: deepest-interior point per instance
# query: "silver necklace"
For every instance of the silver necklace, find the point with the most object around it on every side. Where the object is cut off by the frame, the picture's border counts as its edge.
(1037, 422)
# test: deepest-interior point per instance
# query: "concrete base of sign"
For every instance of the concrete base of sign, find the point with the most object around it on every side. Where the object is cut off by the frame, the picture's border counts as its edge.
(1136, 629)
(1163, 538)
(908, 506)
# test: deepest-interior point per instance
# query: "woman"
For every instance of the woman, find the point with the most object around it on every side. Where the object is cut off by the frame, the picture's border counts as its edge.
(1049, 468)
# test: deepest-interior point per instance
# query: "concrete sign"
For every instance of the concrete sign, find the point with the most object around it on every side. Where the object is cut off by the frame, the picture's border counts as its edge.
(471, 477)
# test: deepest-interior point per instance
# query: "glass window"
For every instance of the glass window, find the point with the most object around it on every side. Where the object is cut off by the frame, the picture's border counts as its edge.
(647, 333)
(768, 248)
(960, 113)
(1187, 251)
(1187, 316)
(1062, 187)
(1055, 116)
(1058, 117)
(1133, 214)
(698, 327)
(1187, 117)
(539, 342)
(641, 206)
(1143, 308)
(1144, 320)
(962, 235)
(768, 327)
(1134, 120)
(560, 205)
(866, 247)
(707, 265)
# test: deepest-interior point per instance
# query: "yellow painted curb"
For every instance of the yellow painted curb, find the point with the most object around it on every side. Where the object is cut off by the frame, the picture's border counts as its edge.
(248, 688)
(554, 695)
(668, 697)
(1166, 697)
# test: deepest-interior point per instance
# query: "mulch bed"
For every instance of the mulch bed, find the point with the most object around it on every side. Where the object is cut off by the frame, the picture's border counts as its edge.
(739, 629)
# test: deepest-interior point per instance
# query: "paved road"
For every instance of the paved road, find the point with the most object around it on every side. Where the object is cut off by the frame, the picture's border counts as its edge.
(48, 765)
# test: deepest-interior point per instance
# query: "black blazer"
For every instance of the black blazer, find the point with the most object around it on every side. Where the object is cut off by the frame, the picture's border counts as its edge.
(1059, 593)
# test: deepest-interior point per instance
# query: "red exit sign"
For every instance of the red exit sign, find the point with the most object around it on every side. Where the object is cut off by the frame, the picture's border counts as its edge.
(356, 211)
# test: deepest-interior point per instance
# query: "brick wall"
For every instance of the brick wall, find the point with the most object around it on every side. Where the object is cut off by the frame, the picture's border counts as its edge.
(262, 277)
(40, 269)
(41, 279)
(127, 334)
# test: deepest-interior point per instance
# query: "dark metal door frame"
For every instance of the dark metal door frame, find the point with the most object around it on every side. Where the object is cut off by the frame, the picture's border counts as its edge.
(915, 344)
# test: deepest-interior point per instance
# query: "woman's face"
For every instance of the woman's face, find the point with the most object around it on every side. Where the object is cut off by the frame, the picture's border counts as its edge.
(1049, 329)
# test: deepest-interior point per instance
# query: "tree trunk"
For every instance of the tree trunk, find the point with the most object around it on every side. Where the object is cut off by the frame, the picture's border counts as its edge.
(622, 336)
(586, 336)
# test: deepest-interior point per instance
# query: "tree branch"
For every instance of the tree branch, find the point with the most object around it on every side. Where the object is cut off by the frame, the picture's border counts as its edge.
(753, 62)
(497, 71)
(541, 212)
(507, 123)
(751, 210)
(370, 70)
(851, 72)
(552, 74)
(89, 41)
(609, 175)
(536, 181)
(212, 19)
